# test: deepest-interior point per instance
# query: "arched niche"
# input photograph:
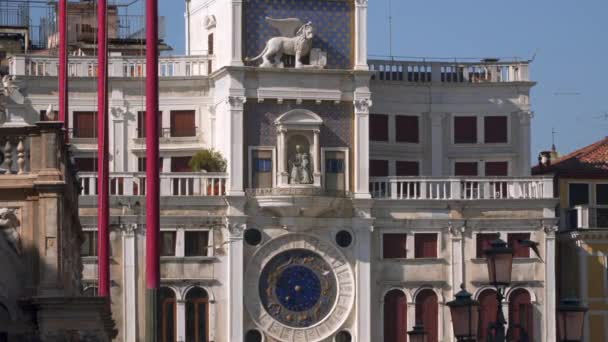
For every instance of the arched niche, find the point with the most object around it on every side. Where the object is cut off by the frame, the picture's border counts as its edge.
(298, 148)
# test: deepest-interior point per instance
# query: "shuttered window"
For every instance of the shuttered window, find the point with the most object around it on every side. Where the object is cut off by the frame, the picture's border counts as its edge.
(521, 316)
(262, 169)
(406, 129)
(425, 245)
(519, 251)
(488, 308)
(85, 124)
(378, 168)
(141, 124)
(601, 194)
(196, 243)
(427, 311)
(180, 164)
(86, 164)
(497, 168)
(183, 123)
(495, 129)
(465, 169)
(395, 316)
(484, 241)
(407, 168)
(167, 243)
(378, 127)
(335, 178)
(394, 246)
(465, 130)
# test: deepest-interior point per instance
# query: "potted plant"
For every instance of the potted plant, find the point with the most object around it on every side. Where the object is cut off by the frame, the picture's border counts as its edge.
(209, 160)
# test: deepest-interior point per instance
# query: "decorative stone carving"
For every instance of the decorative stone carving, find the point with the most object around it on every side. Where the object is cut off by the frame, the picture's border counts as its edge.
(363, 105)
(9, 227)
(526, 116)
(11, 89)
(236, 102)
(361, 2)
(50, 113)
(300, 167)
(295, 40)
(209, 22)
(318, 58)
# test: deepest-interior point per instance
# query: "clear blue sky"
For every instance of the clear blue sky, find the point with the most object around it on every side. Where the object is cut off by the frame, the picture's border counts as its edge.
(570, 39)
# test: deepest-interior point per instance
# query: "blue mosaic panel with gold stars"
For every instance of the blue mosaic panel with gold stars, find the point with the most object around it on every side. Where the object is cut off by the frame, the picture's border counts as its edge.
(332, 20)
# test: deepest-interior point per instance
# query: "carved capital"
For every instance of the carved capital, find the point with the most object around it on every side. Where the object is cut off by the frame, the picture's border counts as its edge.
(235, 229)
(525, 116)
(457, 231)
(361, 2)
(236, 102)
(362, 105)
(209, 22)
(550, 230)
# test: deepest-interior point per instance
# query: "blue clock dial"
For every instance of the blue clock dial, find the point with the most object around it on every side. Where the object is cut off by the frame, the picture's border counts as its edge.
(297, 288)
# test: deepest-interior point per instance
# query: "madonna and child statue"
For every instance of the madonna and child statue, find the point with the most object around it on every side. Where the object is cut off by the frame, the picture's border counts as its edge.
(300, 170)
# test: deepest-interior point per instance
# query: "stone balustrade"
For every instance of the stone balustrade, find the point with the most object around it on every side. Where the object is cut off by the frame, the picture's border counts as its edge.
(118, 66)
(460, 188)
(171, 184)
(420, 72)
(14, 152)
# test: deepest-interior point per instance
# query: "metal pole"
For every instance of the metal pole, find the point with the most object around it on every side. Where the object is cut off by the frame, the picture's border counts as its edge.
(152, 172)
(103, 176)
(63, 67)
(499, 325)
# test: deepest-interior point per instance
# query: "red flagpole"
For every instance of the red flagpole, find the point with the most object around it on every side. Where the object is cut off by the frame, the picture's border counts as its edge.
(63, 67)
(103, 186)
(152, 172)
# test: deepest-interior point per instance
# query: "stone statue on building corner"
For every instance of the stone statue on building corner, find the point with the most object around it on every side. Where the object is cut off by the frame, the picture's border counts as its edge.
(295, 40)
(8, 227)
(300, 168)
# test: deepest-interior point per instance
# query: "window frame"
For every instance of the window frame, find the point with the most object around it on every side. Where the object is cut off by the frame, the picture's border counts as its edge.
(453, 129)
(407, 243)
(175, 243)
(250, 172)
(95, 233)
(480, 122)
(388, 128)
(393, 170)
(483, 129)
(182, 246)
(344, 150)
(393, 119)
(196, 123)
(416, 235)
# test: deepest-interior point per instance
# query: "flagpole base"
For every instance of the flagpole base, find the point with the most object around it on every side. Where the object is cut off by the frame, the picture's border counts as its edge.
(152, 315)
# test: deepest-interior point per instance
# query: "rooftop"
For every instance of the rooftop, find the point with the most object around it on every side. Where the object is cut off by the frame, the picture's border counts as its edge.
(589, 161)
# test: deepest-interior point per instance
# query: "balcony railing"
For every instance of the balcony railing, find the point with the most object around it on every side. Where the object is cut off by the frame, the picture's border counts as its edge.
(417, 72)
(588, 217)
(123, 66)
(171, 184)
(458, 188)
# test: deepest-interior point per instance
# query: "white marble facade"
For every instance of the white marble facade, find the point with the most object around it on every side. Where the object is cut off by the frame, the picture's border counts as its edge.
(335, 209)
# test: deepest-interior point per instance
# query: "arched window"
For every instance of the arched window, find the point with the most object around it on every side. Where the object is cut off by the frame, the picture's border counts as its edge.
(395, 317)
(488, 307)
(5, 322)
(166, 315)
(427, 311)
(197, 315)
(521, 316)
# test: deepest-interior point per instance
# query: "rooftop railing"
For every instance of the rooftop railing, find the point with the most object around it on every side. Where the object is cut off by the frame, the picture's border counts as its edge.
(460, 188)
(421, 72)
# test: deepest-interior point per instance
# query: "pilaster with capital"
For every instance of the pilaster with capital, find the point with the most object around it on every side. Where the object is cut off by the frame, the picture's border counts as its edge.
(437, 154)
(525, 118)
(235, 158)
(362, 106)
(363, 228)
(550, 283)
(236, 48)
(457, 231)
(235, 227)
(129, 293)
(361, 35)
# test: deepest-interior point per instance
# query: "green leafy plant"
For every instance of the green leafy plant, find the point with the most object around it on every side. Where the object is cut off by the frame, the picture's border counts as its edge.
(208, 160)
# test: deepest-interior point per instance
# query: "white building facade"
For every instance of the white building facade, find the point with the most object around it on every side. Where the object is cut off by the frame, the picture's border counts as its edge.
(359, 195)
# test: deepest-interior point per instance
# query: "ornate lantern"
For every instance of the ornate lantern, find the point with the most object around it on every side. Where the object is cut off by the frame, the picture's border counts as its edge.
(465, 315)
(500, 263)
(570, 320)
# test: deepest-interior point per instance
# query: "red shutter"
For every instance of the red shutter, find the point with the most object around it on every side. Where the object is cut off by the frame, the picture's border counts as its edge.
(519, 251)
(465, 169)
(406, 129)
(497, 169)
(521, 315)
(488, 307)
(183, 123)
(425, 245)
(85, 124)
(378, 127)
(427, 311)
(484, 242)
(141, 124)
(465, 130)
(495, 128)
(395, 317)
(407, 168)
(378, 168)
(180, 164)
(394, 246)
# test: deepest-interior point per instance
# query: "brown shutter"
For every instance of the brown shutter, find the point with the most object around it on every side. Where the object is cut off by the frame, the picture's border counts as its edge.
(497, 168)
(519, 251)
(465, 169)
(465, 130)
(394, 246)
(85, 125)
(488, 308)
(378, 127)
(395, 316)
(180, 164)
(495, 129)
(427, 310)
(378, 168)
(425, 245)
(484, 242)
(521, 316)
(406, 129)
(407, 168)
(183, 123)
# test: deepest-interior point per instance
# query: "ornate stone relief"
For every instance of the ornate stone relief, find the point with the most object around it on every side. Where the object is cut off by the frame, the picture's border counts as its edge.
(303, 288)
(9, 225)
(526, 116)
(300, 170)
(363, 105)
(295, 40)
(209, 22)
(236, 102)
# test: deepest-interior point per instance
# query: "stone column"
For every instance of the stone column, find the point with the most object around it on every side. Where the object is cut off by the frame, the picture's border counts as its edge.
(361, 145)
(525, 118)
(180, 319)
(550, 285)
(437, 144)
(129, 293)
(282, 157)
(317, 159)
(235, 158)
(457, 258)
(363, 228)
(235, 226)
(236, 41)
(361, 35)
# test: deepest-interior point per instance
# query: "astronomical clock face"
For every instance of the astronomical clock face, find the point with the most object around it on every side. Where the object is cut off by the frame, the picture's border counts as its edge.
(304, 288)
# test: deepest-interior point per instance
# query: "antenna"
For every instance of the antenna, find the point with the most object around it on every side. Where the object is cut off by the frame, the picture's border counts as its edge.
(553, 133)
(390, 28)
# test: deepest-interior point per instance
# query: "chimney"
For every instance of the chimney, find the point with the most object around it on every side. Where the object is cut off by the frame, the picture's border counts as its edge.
(545, 158)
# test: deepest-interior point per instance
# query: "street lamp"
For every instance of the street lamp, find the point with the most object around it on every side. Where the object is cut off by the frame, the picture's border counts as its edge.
(417, 334)
(465, 315)
(499, 258)
(570, 320)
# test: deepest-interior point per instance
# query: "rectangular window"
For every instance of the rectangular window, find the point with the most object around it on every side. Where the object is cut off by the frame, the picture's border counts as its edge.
(378, 168)
(180, 164)
(262, 168)
(465, 130)
(141, 164)
(601, 194)
(519, 250)
(578, 194)
(196, 243)
(495, 129)
(210, 44)
(85, 124)
(466, 169)
(425, 245)
(335, 177)
(484, 241)
(497, 169)
(141, 124)
(86, 164)
(167, 243)
(183, 123)
(89, 244)
(394, 246)
(406, 129)
(407, 168)
(378, 127)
